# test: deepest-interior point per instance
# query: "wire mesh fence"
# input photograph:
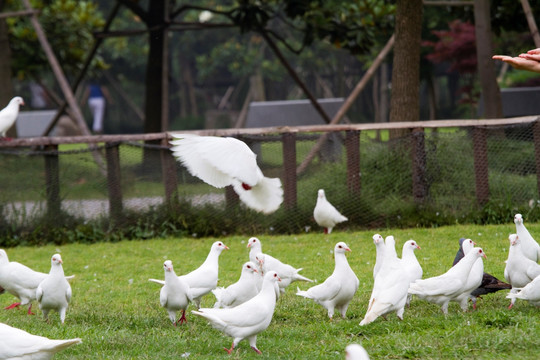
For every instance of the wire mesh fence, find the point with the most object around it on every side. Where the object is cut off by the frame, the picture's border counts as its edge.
(119, 188)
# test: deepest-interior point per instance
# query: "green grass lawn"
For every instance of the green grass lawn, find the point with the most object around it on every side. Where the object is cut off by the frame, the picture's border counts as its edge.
(115, 309)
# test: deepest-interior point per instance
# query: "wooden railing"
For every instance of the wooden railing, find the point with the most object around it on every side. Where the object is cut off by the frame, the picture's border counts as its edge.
(288, 138)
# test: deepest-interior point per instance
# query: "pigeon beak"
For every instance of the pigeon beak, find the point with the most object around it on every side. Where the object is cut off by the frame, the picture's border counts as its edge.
(249, 245)
(418, 247)
(484, 255)
(255, 270)
(347, 249)
(278, 279)
(226, 247)
(60, 261)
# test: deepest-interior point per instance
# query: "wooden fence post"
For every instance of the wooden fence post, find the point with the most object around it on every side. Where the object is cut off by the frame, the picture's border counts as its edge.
(536, 137)
(52, 180)
(114, 179)
(168, 171)
(289, 170)
(479, 139)
(420, 187)
(352, 145)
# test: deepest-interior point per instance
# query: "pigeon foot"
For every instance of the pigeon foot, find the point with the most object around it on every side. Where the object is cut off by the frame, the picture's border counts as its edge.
(13, 306)
(182, 318)
(257, 350)
(229, 351)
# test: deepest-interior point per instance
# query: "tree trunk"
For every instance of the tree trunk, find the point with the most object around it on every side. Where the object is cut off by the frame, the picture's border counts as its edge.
(153, 120)
(486, 66)
(405, 103)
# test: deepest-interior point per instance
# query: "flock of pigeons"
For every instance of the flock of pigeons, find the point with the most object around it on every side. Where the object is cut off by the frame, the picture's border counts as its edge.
(245, 309)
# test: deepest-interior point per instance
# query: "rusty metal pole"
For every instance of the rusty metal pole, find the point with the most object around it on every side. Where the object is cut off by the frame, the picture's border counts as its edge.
(481, 172)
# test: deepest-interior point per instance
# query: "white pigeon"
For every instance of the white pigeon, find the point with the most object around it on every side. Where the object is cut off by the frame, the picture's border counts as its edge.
(325, 214)
(389, 292)
(223, 161)
(530, 292)
(410, 263)
(18, 344)
(246, 320)
(175, 295)
(356, 352)
(54, 293)
(205, 278)
(287, 273)
(379, 248)
(337, 291)
(20, 281)
(519, 269)
(9, 114)
(241, 291)
(449, 286)
(529, 246)
(475, 276)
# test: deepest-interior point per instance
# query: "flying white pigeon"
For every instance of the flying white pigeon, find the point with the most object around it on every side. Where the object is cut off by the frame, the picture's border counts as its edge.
(411, 264)
(175, 295)
(337, 291)
(325, 214)
(241, 291)
(223, 161)
(356, 352)
(20, 281)
(54, 293)
(9, 114)
(530, 292)
(379, 248)
(205, 278)
(519, 269)
(246, 320)
(389, 292)
(529, 246)
(449, 286)
(18, 344)
(475, 276)
(287, 273)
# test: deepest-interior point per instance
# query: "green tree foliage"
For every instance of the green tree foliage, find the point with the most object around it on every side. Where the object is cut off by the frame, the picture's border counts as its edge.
(68, 25)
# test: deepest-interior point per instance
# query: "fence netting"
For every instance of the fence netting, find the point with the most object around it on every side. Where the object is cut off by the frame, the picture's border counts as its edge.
(422, 179)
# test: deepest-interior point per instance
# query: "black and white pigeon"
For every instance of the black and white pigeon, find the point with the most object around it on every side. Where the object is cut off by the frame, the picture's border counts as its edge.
(247, 286)
(286, 272)
(175, 295)
(449, 286)
(8, 115)
(519, 269)
(18, 344)
(54, 292)
(337, 291)
(204, 279)
(223, 161)
(489, 284)
(246, 320)
(529, 246)
(325, 214)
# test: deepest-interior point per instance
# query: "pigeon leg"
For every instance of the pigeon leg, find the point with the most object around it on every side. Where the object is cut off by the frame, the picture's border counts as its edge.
(182, 318)
(12, 306)
(30, 310)
(229, 351)
(253, 344)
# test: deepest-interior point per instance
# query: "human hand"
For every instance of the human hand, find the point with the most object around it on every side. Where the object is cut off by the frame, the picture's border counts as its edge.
(529, 61)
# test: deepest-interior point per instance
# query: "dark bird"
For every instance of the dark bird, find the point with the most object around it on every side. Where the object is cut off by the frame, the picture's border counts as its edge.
(490, 283)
